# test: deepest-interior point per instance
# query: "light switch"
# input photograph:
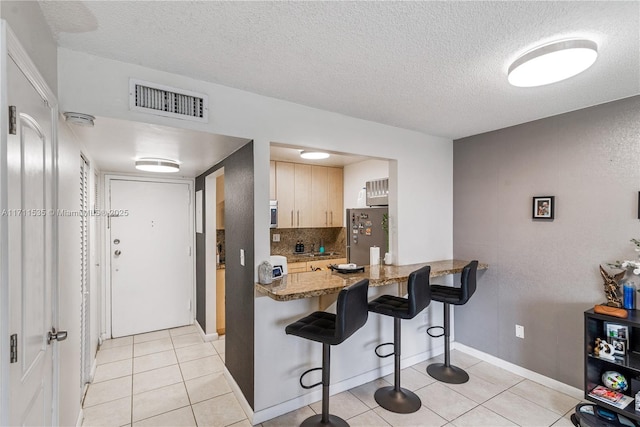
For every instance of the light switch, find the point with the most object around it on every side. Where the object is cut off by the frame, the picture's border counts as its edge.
(241, 256)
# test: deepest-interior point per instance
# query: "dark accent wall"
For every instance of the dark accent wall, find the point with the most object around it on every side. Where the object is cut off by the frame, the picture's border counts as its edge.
(544, 274)
(239, 280)
(201, 266)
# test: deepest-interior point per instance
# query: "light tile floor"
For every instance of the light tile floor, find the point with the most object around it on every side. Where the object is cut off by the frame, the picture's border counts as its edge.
(174, 378)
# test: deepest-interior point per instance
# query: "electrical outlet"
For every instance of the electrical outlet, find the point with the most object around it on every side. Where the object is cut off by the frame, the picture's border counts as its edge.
(241, 256)
(520, 331)
(276, 237)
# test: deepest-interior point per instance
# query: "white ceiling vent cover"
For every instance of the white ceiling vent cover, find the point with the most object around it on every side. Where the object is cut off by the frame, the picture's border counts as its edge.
(167, 101)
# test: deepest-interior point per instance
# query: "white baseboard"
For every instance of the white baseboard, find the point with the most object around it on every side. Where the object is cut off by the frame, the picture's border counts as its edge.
(315, 396)
(94, 366)
(260, 416)
(523, 372)
(80, 418)
(207, 337)
(235, 388)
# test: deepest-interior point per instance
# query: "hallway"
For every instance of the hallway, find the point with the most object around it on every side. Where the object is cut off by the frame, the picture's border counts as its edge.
(173, 378)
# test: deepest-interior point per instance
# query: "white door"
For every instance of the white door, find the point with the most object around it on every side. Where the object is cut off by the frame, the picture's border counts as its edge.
(30, 253)
(151, 264)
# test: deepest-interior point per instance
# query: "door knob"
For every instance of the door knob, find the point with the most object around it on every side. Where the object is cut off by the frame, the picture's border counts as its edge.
(56, 335)
(117, 252)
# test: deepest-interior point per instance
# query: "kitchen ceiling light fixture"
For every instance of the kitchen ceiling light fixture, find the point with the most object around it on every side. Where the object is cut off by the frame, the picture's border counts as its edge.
(314, 155)
(553, 62)
(79, 119)
(149, 164)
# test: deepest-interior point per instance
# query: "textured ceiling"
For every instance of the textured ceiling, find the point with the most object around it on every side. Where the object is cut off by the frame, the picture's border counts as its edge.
(435, 67)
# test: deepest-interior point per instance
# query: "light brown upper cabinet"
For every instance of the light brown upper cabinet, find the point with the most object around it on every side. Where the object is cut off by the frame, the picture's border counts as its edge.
(319, 201)
(308, 196)
(293, 192)
(335, 204)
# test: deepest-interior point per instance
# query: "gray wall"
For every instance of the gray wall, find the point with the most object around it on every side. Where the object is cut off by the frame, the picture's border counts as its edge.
(544, 274)
(239, 280)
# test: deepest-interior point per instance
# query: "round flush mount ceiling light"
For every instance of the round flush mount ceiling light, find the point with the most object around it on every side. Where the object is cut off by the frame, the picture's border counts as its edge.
(314, 155)
(149, 164)
(553, 62)
(79, 119)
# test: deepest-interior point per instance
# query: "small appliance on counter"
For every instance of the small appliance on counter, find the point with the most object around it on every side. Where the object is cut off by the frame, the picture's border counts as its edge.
(279, 265)
(365, 230)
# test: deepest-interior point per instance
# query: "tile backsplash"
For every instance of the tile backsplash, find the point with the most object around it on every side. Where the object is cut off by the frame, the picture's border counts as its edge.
(333, 238)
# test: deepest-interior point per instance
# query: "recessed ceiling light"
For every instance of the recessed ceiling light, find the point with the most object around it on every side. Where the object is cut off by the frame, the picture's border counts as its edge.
(553, 62)
(79, 119)
(314, 155)
(149, 164)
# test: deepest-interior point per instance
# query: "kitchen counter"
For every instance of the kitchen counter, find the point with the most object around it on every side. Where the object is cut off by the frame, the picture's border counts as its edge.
(303, 257)
(316, 283)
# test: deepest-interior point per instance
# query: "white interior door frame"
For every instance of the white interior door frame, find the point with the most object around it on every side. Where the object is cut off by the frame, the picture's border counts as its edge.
(211, 240)
(106, 253)
(10, 46)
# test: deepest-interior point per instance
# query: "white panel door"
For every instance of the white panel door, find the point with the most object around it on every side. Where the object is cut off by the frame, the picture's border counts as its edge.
(30, 252)
(151, 264)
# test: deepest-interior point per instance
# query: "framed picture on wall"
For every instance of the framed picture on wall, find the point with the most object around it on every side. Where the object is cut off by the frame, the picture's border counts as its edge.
(543, 207)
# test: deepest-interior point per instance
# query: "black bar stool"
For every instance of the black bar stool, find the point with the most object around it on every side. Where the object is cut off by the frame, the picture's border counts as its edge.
(446, 372)
(332, 329)
(395, 398)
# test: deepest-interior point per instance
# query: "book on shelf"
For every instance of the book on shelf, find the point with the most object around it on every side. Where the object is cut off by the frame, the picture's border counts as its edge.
(612, 397)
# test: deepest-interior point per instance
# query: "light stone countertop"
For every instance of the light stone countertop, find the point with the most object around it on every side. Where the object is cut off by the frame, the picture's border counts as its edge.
(316, 283)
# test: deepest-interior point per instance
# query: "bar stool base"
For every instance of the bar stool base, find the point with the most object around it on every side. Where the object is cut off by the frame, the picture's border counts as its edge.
(401, 402)
(316, 421)
(447, 374)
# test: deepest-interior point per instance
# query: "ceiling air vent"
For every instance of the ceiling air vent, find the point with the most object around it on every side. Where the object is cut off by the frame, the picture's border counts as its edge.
(167, 101)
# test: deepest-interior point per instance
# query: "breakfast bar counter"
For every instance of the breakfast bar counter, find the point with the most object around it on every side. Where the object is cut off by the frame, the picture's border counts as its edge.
(317, 283)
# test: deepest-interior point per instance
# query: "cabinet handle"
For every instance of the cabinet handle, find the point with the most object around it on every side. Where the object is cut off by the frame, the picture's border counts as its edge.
(331, 217)
(326, 219)
(298, 218)
(292, 217)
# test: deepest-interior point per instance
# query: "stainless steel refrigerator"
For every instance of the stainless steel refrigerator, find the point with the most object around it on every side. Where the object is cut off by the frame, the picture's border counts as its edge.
(365, 229)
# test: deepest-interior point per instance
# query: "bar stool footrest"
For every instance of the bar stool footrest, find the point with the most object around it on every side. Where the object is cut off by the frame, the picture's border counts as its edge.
(308, 371)
(400, 401)
(316, 421)
(435, 327)
(384, 355)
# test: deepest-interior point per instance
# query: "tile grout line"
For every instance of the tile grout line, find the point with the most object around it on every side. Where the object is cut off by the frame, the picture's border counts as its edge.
(184, 382)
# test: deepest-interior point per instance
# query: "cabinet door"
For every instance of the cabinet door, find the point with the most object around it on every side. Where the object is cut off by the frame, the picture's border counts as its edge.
(335, 191)
(302, 195)
(220, 301)
(272, 180)
(296, 267)
(285, 194)
(319, 194)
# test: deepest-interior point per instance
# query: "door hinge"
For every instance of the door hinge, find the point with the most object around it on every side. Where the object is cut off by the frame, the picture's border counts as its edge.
(13, 352)
(12, 120)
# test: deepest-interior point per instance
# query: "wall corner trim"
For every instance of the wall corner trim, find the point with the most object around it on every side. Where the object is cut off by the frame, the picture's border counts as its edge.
(205, 337)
